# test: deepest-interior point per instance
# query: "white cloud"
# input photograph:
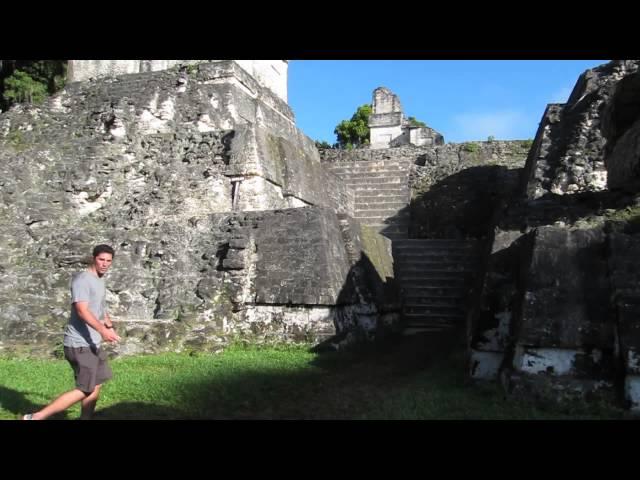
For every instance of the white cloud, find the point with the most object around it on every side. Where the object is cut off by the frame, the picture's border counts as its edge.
(503, 125)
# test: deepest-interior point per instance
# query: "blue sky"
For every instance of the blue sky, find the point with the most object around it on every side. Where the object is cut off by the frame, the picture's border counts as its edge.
(462, 99)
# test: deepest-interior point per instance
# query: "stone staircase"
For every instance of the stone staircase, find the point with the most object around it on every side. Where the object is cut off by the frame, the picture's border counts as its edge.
(435, 278)
(381, 189)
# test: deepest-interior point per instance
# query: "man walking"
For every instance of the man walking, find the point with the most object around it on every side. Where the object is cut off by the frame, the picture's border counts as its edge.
(88, 326)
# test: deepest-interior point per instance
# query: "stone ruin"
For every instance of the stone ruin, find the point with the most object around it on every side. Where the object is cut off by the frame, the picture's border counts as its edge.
(390, 128)
(229, 224)
(224, 221)
(271, 74)
(557, 313)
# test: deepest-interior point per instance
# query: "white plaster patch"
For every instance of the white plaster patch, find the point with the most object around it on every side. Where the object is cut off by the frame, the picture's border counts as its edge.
(497, 336)
(255, 193)
(485, 365)
(632, 392)
(555, 361)
(295, 202)
(150, 123)
(305, 318)
(182, 84)
(167, 109)
(633, 360)
(216, 198)
(599, 179)
(205, 124)
(57, 106)
(118, 129)
(153, 103)
(84, 206)
(233, 112)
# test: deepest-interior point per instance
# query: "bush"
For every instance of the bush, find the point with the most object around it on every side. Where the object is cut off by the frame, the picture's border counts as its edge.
(322, 145)
(21, 87)
(355, 132)
(470, 147)
(526, 143)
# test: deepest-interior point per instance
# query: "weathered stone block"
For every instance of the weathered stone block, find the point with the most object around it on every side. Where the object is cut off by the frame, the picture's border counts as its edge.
(566, 291)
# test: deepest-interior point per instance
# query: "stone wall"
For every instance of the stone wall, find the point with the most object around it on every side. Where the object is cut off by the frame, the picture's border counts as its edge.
(621, 128)
(272, 74)
(558, 300)
(568, 152)
(155, 164)
(467, 180)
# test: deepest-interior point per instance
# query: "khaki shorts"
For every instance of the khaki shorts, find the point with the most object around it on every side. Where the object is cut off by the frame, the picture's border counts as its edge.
(90, 367)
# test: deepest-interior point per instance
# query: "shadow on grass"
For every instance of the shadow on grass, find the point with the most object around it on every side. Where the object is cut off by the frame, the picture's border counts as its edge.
(18, 404)
(139, 411)
(417, 377)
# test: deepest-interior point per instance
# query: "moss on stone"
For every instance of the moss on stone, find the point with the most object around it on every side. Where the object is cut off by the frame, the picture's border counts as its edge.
(373, 245)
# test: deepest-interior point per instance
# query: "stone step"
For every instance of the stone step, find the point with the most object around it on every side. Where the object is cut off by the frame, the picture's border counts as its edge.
(359, 179)
(382, 221)
(372, 173)
(430, 276)
(381, 197)
(417, 250)
(428, 253)
(382, 213)
(432, 309)
(434, 269)
(444, 266)
(418, 317)
(368, 165)
(382, 205)
(388, 189)
(429, 258)
(433, 291)
(412, 321)
(454, 302)
(390, 227)
(384, 181)
(413, 291)
(422, 329)
(413, 242)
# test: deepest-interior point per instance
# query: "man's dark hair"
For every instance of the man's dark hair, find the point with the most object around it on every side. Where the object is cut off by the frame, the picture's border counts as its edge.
(98, 249)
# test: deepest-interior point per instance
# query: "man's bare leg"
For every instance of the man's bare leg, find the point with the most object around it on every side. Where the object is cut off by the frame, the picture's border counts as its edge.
(60, 404)
(89, 404)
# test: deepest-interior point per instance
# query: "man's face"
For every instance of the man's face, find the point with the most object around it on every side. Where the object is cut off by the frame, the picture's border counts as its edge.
(102, 262)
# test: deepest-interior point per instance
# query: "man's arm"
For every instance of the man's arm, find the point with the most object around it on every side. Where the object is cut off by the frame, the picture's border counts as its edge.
(107, 320)
(82, 308)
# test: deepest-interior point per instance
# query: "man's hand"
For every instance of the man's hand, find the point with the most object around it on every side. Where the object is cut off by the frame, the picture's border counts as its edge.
(109, 334)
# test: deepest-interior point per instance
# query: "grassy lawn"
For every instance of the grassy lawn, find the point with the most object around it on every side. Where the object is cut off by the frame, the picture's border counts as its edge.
(288, 382)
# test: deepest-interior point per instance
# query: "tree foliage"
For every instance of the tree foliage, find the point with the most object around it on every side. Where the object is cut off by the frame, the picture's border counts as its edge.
(415, 122)
(30, 80)
(355, 132)
(21, 87)
(322, 145)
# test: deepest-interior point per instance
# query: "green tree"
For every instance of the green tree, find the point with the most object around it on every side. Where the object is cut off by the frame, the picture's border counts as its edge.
(30, 80)
(415, 122)
(322, 144)
(355, 132)
(21, 87)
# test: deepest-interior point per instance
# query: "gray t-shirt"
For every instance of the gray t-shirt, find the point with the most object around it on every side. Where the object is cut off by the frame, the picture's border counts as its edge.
(85, 287)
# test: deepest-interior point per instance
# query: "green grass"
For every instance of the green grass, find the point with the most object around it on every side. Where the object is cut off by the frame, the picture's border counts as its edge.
(276, 383)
